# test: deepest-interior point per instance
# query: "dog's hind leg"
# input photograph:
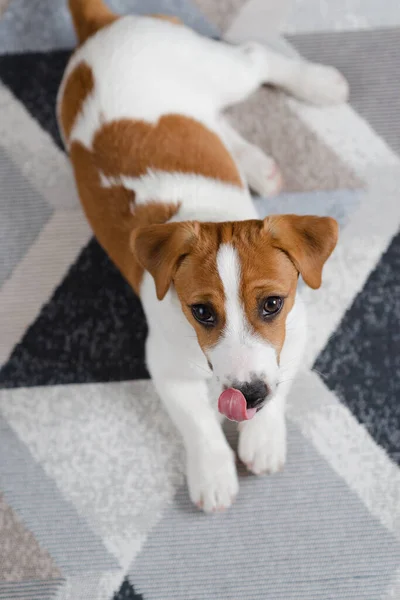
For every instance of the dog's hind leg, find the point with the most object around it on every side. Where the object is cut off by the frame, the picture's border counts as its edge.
(314, 83)
(242, 69)
(260, 171)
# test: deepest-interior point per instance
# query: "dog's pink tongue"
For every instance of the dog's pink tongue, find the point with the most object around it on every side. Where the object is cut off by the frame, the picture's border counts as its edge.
(233, 405)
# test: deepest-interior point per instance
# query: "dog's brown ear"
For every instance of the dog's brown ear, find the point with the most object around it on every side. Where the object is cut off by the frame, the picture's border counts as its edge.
(161, 248)
(308, 241)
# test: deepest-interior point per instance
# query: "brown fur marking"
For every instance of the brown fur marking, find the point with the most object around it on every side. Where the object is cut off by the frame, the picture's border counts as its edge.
(170, 18)
(175, 143)
(89, 16)
(109, 213)
(308, 240)
(198, 281)
(185, 254)
(265, 271)
(79, 85)
(131, 148)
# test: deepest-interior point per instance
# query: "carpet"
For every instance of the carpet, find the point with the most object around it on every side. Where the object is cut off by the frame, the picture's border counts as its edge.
(93, 503)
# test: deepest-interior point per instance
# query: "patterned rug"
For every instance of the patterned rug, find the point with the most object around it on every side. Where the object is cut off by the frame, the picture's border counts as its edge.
(93, 503)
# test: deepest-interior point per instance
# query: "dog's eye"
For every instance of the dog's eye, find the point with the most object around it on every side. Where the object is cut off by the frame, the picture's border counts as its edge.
(204, 314)
(271, 306)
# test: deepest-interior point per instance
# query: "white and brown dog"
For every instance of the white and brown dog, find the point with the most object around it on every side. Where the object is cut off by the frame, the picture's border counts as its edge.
(163, 179)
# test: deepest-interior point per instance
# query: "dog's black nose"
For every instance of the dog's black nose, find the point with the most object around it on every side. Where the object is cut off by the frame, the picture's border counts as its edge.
(254, 391)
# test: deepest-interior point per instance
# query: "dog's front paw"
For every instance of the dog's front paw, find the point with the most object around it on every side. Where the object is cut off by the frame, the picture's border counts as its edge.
(212, 479)
(262, 443)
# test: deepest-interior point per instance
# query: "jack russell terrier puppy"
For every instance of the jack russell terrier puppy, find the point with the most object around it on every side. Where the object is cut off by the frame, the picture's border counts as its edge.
(164, 181)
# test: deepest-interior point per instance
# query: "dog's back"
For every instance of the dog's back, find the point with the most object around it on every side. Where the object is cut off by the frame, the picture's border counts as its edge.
(126, 109)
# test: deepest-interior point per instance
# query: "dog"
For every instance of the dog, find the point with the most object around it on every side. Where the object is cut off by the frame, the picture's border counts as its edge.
(164, 181)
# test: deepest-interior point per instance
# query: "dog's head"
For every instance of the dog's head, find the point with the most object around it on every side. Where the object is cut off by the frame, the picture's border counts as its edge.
(236, 283)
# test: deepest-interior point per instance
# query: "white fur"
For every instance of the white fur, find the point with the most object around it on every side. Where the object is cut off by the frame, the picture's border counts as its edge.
(181, 377)
(145, 68)
(262, 440)
(241, 354)
(201, 198)
(180, 373)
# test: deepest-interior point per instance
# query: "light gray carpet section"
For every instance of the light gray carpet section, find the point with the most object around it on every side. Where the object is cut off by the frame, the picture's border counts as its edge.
(220, 13)
(371, 62)
(338, 15)
(29, 590)
(55, 523)
(40, 25)
(339, 204)
(297, 535)
(23, 214)
(306, 162)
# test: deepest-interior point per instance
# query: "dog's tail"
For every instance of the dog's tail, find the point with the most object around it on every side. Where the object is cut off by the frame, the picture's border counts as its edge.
(89, 16)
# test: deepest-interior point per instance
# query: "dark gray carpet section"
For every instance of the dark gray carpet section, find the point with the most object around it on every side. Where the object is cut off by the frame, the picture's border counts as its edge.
(92, 329)
(361, 363)
(126, 592)
(371, 62)
(34, 78)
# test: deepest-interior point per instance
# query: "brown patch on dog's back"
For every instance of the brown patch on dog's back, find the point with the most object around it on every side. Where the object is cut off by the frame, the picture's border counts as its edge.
(175, 144)
(109, 212)
(79, 84)
(132, 148)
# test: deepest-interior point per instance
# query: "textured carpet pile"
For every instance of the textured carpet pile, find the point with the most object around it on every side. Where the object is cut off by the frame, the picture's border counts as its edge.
(93, 503)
